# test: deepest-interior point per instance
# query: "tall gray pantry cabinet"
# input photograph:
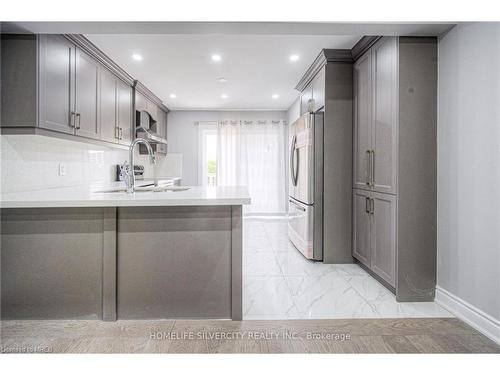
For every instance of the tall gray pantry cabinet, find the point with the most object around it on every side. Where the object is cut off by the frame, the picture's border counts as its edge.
(394, 164)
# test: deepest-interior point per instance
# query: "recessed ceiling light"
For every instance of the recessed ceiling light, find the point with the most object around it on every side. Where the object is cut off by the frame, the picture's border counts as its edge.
(222, 80)
(173, 96)
(137, 57)
(224, 96)
(294, 58)
(216, 57)
(275, 96)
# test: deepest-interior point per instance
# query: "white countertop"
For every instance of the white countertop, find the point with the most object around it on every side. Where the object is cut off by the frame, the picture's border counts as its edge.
(86, 196)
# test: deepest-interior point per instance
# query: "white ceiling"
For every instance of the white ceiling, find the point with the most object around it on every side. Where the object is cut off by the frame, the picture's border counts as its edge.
(176, 55)
(255, 66)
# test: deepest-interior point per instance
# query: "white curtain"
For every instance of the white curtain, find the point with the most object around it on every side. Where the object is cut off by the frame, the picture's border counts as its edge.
(252, 153)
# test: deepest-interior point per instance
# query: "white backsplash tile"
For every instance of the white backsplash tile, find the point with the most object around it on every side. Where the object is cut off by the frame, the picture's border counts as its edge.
(31, 162)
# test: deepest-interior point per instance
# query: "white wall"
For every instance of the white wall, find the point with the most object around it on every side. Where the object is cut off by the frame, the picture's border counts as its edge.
(183, 134)
(469, 168)
(293, 113)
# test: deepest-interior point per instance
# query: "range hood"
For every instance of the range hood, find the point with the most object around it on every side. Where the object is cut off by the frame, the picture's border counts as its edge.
(146, 128)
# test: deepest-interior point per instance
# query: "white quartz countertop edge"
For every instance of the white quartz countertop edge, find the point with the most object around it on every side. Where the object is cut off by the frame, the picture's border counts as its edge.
(85, 197)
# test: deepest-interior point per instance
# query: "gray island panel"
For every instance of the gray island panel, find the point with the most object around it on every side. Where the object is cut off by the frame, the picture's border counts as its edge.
(174, 262)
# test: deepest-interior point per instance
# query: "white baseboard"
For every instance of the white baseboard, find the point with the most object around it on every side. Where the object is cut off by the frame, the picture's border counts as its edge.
(478, 319)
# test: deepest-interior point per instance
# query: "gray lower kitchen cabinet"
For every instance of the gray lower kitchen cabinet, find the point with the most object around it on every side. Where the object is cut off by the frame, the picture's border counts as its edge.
(51, 263)
(86, 88)
(395, 157)
(126, 263)
(174, 262)
(383, 236)
(361, 241)
(374, 232)
(57, 80)
(61, 86)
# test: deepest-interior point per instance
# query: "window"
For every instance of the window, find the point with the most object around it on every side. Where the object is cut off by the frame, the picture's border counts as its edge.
(207, 157)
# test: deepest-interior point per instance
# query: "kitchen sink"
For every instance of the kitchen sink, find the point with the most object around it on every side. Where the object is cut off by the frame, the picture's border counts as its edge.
(145, 188)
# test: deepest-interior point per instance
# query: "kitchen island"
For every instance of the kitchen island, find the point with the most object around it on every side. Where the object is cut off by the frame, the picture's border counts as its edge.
(80, 253)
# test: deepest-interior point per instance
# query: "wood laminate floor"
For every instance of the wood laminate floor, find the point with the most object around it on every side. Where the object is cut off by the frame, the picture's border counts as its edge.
(417, 335)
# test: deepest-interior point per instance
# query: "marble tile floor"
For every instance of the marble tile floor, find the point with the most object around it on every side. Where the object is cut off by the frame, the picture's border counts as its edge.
(279, 283)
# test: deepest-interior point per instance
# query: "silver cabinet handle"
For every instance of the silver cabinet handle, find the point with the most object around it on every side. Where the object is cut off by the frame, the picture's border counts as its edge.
(117, 129)
(372, 206)
(368, 167)
(367, 205)
(72, 119)
(373, 167)
(77, 123)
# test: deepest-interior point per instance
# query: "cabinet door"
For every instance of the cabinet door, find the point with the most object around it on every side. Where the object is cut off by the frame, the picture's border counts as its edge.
(109, 130)
(361, 226)
(57, 76)
(306, 99)
(383, 241)
(87, 96)
(385, 115)
(152, 109)
(362, 121)
(318, 90)
(124, 111)
(140, 102)
(161, 127)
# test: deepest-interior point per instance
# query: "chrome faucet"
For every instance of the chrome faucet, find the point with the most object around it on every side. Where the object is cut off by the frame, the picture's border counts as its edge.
(127, 171)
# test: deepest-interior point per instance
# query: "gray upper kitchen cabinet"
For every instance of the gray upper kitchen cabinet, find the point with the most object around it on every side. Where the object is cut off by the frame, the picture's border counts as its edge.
(152, 109)
(63, 86)
(362, 122)
(318, 90)
(385, 115)
(306, 99)
(361, 246)
(116, 109)
(87, 122)
(161, 128)
(57, 82)
(383, 236)
(140, 102)
(376, 118)
(108, 113)
(124, 111)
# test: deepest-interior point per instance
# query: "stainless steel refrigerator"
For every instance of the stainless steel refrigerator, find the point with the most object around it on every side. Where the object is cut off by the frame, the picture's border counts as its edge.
(305, 216)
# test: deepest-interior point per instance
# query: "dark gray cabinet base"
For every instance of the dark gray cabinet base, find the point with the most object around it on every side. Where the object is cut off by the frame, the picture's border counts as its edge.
(125, 263)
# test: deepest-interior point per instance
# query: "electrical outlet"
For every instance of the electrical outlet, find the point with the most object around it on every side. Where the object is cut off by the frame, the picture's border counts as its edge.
(62, 169)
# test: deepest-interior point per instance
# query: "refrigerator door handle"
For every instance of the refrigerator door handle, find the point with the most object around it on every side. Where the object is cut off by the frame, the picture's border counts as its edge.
(297, 165)
(292, 162)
